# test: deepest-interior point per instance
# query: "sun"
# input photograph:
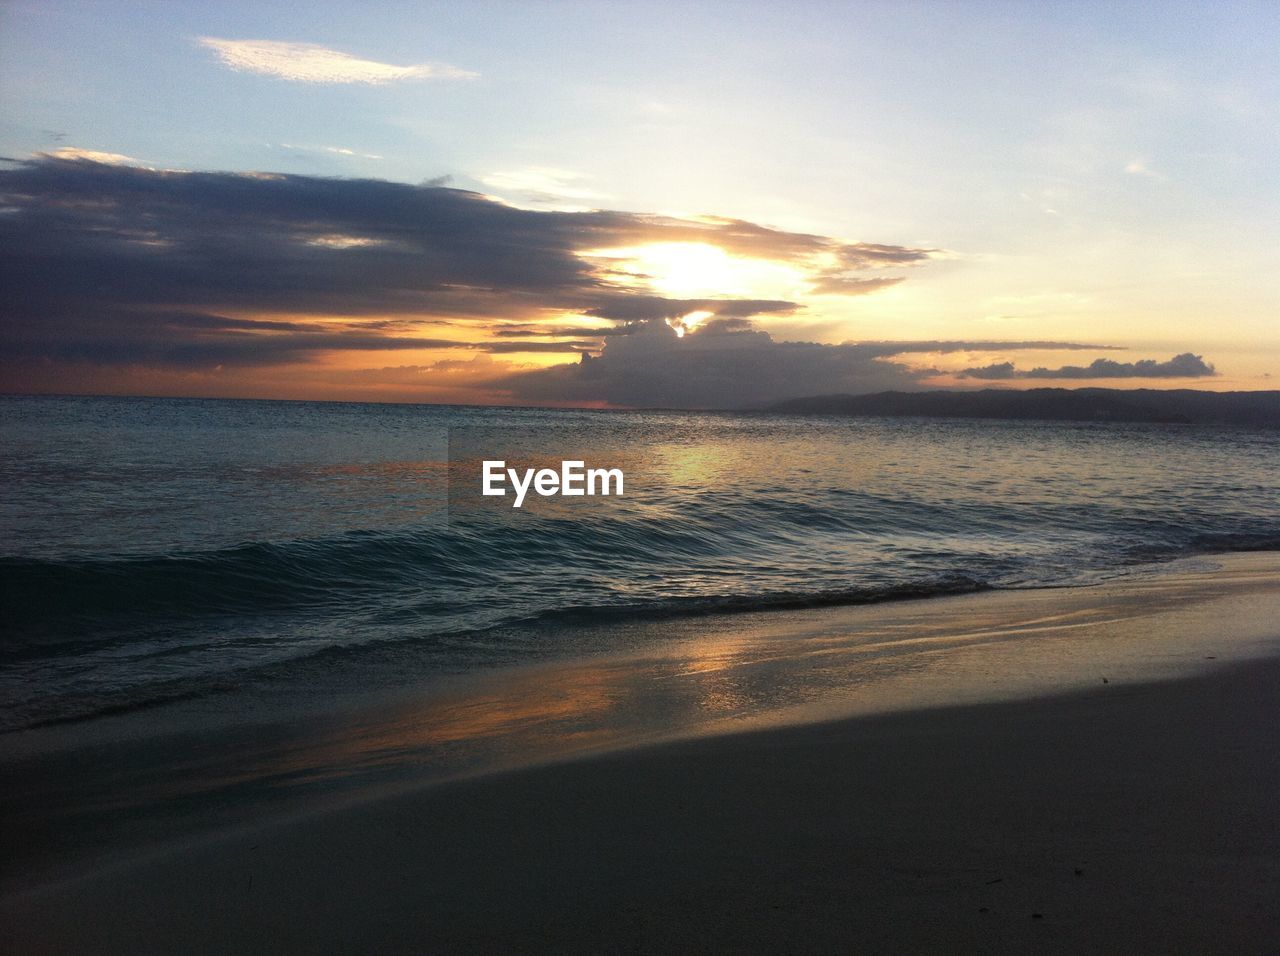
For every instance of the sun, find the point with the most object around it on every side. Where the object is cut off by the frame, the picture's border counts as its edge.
(689, 321)
(690, 270)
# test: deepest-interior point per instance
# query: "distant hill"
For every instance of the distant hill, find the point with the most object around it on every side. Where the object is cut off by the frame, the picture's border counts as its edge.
(1184, 406)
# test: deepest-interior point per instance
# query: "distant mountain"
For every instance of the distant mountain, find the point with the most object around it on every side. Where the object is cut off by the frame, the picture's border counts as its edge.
(1184, 406)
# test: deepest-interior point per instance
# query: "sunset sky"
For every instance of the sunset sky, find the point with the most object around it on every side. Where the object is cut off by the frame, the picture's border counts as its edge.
(711, 205)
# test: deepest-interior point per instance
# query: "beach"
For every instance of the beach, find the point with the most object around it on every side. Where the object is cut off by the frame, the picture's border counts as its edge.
(671, 478)
(1051, 770)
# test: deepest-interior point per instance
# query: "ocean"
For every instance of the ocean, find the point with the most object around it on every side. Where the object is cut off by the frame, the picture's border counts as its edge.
(160, 550)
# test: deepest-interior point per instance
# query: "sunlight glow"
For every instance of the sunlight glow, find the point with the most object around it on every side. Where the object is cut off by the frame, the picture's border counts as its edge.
(335, 240)
(689, 322)
(685, 270)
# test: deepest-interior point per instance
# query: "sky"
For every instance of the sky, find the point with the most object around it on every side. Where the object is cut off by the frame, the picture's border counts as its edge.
(701, 205)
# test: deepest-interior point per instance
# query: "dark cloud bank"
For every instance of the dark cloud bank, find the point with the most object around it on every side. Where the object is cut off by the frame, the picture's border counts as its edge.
(1185, 365)
(116, 266)
(724, 365)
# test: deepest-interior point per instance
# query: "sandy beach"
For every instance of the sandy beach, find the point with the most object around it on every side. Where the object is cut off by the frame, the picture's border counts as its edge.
(665, 478)
(1106, 781)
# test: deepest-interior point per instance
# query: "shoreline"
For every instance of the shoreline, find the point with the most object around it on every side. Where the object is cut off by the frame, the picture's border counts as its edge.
(745, 694)
(684, 637)
(1131, 819)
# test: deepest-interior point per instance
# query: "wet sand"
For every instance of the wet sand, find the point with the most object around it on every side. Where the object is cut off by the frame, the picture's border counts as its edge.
(1002, 797)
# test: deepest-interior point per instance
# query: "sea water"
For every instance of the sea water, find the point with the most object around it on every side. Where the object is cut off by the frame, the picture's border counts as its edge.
(154, 550)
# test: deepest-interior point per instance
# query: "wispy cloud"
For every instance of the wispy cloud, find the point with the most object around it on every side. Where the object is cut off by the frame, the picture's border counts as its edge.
(334, 150)
(312, 63)
(343, 151)
(545, 186)
(849, 285)
(94, 156)
(1138, 167)
(840, 276)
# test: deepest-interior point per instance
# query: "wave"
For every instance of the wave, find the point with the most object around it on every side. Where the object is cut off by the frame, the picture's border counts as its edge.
(488, 572)
(514, 636)
(205, 545)
(258, 577)
(944, 586)
(50, 710)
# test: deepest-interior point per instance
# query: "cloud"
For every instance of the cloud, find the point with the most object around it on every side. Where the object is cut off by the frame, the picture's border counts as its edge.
(1185, 365)
(743, 238)
(98, 260)
(478, 370)
(985, 345)
(519, 331)
(848, 285)
(109, 266)
(94, 156)
(312, 63)
(841, 279)
(499, 348)
(726, 363)
(194, 340)
(334, 150)
(1139, 168)
(184, 340)
(633, 308)
(862, 255)
(545, 186)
